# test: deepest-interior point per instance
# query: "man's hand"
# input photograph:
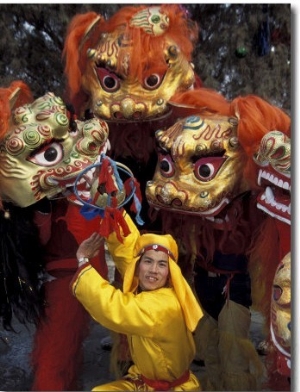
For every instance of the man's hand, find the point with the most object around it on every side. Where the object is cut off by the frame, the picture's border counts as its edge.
(90, 247)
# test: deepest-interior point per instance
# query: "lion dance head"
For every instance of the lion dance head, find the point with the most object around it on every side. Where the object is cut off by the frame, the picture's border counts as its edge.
(127, 68)
(43, 148)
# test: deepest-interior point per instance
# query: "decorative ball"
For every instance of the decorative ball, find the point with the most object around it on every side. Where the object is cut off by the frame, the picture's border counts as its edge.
(241, 52)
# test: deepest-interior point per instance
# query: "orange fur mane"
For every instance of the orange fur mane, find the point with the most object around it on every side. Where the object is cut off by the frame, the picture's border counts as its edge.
(256, 117)
(147, 55)
(7, 105)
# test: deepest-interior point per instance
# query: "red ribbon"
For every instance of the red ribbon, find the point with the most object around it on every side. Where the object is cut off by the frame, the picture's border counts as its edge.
(113, 221)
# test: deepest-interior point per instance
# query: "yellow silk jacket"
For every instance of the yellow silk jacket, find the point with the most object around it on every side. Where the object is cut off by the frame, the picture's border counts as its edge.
(161, 345)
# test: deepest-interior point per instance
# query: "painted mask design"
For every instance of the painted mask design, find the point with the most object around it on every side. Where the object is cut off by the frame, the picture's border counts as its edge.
(274, 161)
(281, 312)
(45, 149)
(199, 168)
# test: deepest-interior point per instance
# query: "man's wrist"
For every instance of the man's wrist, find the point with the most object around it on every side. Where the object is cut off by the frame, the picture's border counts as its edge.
(82, 261)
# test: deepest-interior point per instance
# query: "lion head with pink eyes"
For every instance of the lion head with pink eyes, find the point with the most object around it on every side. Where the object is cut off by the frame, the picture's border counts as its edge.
(205, 160)
(44, 148)
(200, 166)
(128, 67)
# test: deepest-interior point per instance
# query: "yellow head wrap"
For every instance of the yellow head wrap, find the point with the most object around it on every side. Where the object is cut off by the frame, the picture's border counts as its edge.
(189, 304)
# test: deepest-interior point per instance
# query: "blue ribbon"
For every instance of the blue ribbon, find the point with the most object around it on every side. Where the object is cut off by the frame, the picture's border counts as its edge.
(90, 212)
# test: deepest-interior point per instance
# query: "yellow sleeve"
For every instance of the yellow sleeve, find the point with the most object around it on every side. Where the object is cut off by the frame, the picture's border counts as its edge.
(122, 253)
(115, 310)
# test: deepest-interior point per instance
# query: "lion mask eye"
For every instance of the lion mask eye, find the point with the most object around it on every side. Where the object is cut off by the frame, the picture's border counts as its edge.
(109, 81)
(48, 155)
(166, 165)
(205, 169)
(153, 81)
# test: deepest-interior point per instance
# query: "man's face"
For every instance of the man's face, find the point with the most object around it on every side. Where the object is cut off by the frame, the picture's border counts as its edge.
(153, 270)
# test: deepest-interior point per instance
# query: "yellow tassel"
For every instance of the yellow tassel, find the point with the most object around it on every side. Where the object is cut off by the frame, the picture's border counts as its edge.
(231, 360)
(120, 359)
(242, 368)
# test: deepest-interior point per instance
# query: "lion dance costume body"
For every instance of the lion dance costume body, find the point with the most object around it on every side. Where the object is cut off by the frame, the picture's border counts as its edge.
(205, 187)
(43, 149)
(272, 279)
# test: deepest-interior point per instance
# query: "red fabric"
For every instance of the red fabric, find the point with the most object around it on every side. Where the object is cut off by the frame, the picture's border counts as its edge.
(284, 231)
(77, 272)
(62, 267)
(43, 222)
(81, 229)
(113, 221)
(106, 176)
(128, 189)
(159, 248)
(124, 351)
(58, 353)
(279, 373)
(161, 385)
(282, 365)
(57, 348)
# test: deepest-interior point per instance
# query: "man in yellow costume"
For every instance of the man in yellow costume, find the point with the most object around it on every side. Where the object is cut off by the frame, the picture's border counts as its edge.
(156, 309)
